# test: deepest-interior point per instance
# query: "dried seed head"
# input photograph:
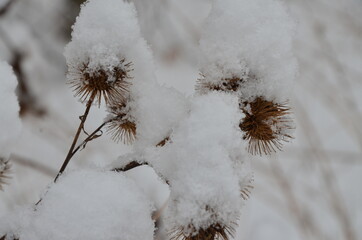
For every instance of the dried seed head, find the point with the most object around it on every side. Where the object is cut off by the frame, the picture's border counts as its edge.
(4, 172)
(122, 126)
(213, 232)
(109, 84)
(265, 125)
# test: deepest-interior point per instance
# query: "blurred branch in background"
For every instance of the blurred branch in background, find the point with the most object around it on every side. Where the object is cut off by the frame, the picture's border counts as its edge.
(33, 165)
(5, 7)
(33, 45)
(326, 173)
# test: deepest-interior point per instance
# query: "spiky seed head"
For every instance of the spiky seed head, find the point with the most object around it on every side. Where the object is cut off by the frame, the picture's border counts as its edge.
(4, 172)
(266, 125)
(122, 126)
(216, 231)
(108, 84)
(124, 131)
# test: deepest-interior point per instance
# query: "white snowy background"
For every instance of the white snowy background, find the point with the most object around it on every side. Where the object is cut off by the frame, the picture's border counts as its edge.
(309, 191)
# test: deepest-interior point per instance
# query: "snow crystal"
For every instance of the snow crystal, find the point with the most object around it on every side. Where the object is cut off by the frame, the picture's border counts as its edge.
(197, 163)
(251, 40)
(86, 205)
(10, 124)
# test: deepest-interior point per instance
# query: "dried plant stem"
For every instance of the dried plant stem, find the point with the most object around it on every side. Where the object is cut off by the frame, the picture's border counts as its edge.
(90, 137)
(73, 150)
(83, 118)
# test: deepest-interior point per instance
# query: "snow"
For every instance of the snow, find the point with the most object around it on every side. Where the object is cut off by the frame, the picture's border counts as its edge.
(266, 214)
(250, 40)
(204, 186)
(158, 111)
(102, 34)
(86, 204)
(151, 184)
(10, 124)
(105, 33)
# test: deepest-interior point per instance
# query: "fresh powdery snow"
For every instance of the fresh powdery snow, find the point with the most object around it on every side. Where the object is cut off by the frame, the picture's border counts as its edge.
(103, 32)
(159, 109)
(203, 157)
(204, 186)
(10, 126)
(106, 33)
(86, 204)
(251, 40)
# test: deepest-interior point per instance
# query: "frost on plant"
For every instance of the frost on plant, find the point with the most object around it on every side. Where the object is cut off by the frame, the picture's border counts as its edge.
(198, 145)
(97, 61)
(253, 61)
(205, 190)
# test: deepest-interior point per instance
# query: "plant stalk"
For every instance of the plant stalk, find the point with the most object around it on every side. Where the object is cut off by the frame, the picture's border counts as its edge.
(89, 138)
(70, 154)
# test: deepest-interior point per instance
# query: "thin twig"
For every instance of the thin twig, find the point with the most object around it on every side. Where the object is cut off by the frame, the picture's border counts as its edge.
(81, 125)
(90, 137)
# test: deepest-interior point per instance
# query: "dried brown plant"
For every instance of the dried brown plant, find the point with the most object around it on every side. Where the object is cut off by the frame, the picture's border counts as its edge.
(122, 130)
(213, 232)
(111, 85)
(122, 127)
(265, 125)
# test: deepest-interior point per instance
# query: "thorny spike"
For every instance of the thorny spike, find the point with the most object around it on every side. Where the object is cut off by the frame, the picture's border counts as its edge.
(213, 232)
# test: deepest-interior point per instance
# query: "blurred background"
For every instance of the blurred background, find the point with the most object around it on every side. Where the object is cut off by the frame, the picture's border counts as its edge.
(312, 190)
